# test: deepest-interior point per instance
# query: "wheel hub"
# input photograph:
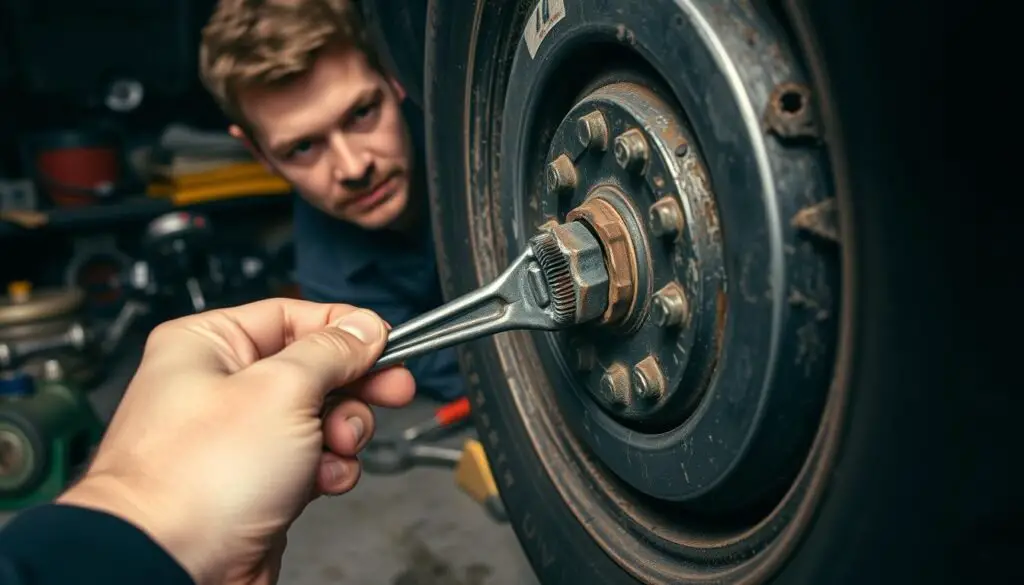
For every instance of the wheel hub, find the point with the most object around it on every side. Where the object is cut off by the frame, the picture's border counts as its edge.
(622, 164)
(684, 428)
(703, 383)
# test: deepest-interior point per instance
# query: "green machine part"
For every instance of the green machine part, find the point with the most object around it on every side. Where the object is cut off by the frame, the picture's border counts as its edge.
(47, 435)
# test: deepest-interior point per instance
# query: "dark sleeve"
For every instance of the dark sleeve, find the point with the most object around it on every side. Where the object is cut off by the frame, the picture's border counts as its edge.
(64, 545)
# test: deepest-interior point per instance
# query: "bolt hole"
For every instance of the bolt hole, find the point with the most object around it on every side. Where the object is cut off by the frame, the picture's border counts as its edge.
(791, 102)
(677, 21)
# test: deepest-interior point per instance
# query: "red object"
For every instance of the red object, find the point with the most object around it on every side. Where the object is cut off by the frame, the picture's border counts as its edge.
(452, 412)
(69, 174)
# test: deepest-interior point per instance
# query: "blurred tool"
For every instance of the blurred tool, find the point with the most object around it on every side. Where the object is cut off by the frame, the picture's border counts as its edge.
(47, 432)
(399, 453)
(45, 324)
(176, 247)
(182, 255)
(47, 427)
(49, 351)
(395, 454)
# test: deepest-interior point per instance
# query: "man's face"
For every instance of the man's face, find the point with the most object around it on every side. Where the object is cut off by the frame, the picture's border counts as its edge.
(338, 135)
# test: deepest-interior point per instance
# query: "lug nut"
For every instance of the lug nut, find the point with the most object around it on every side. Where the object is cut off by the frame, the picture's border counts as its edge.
(561, 174)
(668, 309)
(615, 384)
(648, 379)
(592, 130)
(666, 218)
(631, 150)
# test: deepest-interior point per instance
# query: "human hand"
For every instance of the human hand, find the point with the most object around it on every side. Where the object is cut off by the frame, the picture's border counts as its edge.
(221, 439)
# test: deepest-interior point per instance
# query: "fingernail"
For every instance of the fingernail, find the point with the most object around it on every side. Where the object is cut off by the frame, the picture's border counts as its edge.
(363, 325)
(337, 471)
(357, 427)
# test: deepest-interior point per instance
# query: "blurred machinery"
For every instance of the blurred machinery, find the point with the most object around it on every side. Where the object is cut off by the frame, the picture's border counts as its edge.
(53, 350)
(47, 426)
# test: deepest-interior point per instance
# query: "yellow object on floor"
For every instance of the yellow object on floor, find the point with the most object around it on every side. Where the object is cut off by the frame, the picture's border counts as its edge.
(473, 473)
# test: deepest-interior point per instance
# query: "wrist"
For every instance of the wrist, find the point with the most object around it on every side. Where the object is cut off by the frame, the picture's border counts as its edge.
(167, 526)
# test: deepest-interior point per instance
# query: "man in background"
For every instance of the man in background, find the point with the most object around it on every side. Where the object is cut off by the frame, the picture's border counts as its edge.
(306, 91)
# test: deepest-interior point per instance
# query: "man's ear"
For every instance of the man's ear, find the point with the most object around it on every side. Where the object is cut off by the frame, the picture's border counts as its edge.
(397, 88)
(236, 131)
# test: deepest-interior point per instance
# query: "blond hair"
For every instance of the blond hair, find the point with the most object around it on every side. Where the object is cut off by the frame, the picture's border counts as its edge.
(259, 43)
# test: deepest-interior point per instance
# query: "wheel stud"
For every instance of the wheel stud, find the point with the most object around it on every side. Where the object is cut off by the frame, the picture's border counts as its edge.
(648, 380)
(592, 130)
(666, 218)
(668, 308)
(631, 150)
(615, 384)
(561, 174)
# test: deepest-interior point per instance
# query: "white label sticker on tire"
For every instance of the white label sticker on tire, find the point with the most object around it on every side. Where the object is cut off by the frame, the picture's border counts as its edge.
(546, 15)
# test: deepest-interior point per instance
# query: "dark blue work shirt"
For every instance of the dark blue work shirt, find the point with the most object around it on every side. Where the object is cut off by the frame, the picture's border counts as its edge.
(393, 275)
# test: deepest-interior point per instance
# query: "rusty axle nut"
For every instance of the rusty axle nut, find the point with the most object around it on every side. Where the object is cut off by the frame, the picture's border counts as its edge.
(561, 174)
(592, 130)
(587, 269)
(631, 150)
(668, 308)
(619, 254)
(648, 380)
(615, 384)
(666, 218)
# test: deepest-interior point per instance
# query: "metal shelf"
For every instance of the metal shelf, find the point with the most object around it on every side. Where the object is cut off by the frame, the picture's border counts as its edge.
(132, 210)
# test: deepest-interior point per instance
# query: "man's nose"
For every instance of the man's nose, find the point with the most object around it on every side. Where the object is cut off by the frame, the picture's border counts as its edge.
(353, 167)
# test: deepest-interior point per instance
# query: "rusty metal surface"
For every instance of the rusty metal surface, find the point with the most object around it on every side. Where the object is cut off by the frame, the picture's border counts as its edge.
(790, 112)
(588, 271)
(820, 219)
(620, 255)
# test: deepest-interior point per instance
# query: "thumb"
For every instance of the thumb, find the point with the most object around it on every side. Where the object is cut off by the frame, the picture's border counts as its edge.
(332, 357)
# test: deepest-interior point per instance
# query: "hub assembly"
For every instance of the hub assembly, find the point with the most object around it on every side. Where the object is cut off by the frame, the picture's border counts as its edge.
(644, 193)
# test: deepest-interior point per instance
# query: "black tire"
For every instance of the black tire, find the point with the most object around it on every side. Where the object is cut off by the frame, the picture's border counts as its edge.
(916, 492)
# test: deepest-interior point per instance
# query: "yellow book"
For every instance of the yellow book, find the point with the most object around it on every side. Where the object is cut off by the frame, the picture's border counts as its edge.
(268, 185)
(229, 172)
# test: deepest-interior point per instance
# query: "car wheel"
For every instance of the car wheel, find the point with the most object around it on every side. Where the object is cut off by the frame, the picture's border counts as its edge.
(762, 399)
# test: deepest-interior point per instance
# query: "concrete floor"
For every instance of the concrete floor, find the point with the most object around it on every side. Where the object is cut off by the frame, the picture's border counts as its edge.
(415, 528)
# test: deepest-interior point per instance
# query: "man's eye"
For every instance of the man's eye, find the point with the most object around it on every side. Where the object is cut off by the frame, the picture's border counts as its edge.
(364, 111)
(300, 149)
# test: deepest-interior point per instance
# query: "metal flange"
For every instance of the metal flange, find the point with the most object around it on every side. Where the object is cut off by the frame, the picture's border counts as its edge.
(643, 192)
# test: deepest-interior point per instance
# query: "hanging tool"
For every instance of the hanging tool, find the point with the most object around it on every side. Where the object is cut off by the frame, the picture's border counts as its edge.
(559, 281)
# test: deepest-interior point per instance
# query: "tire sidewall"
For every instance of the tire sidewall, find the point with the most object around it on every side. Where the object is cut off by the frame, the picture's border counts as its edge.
(865, 528)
